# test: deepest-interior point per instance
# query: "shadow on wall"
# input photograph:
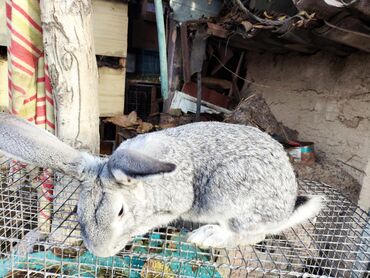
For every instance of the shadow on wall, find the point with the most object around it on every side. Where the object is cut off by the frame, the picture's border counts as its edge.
(364, 201)
(325, 98)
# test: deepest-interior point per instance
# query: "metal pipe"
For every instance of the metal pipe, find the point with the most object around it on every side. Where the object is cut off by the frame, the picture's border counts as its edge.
(162, 47)
(199, 95)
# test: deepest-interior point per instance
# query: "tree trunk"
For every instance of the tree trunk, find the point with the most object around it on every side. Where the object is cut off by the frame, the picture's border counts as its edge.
(68, 42)
(70, 54)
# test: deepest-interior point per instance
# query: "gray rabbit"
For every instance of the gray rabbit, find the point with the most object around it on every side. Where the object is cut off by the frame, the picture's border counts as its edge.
(235, 178)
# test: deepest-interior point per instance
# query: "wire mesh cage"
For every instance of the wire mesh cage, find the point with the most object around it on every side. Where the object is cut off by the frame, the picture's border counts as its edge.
(334, 244)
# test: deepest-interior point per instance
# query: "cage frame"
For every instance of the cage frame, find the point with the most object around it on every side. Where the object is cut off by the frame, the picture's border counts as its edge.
(334, 244)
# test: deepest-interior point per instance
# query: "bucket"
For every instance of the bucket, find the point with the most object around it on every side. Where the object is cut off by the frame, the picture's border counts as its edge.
(303, 153)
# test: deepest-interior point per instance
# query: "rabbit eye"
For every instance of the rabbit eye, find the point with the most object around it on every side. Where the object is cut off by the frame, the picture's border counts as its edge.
(120, 212)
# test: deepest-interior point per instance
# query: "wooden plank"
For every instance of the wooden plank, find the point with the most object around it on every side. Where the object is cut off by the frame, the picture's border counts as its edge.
(216, 30)
(110, 23)
(154, 108)
(3, 85)
(3, 29)
(185, 52)
(111, 91)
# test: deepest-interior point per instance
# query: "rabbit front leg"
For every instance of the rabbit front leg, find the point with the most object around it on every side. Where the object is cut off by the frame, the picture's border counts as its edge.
(217, 236)
(212, 236)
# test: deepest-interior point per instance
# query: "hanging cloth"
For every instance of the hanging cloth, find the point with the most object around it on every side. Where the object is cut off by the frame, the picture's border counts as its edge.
(29, 88)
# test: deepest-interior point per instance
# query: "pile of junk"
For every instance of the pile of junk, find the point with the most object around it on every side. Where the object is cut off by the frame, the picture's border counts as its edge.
(207, 45)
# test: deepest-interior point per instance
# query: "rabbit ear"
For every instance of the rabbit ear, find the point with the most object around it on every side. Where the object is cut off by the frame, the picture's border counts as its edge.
(24, 141)
(125, 162)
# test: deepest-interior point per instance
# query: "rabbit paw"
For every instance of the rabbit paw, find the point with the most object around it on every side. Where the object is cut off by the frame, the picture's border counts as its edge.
(210, 236)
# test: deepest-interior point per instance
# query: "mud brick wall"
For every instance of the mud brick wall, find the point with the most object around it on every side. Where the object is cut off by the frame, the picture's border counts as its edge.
(326, 98)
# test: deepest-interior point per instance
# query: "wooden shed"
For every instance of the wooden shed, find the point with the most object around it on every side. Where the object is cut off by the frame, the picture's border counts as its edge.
(110, 23)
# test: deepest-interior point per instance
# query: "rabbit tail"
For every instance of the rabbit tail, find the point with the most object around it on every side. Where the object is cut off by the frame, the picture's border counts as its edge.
(306, 207)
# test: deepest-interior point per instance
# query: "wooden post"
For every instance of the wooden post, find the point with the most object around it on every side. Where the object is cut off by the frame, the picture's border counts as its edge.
(185, 52)
(68, 43)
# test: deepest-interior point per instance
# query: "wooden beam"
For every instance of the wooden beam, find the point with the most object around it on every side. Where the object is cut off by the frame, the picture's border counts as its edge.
(185, 52)
(216, 30)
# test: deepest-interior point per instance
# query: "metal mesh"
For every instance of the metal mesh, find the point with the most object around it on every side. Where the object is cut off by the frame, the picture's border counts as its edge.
(335, 244)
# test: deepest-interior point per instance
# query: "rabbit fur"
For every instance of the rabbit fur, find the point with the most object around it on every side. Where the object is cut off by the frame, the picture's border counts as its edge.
(236, 178)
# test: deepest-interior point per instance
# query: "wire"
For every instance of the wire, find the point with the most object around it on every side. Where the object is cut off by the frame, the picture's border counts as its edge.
(265, 21)
(346, 30)
(348, 4)
(238, 76)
